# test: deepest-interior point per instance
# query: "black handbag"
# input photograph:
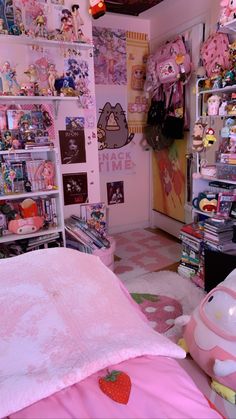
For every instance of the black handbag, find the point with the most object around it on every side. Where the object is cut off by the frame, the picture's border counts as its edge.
(156, 138)
(173, 126)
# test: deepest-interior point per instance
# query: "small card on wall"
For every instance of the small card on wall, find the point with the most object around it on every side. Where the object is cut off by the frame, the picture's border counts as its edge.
(115, 193)
(74, 122)
(72, 146)
(75, 186)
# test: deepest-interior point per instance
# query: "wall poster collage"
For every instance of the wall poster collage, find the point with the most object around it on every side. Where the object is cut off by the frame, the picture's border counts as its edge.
(115, 79)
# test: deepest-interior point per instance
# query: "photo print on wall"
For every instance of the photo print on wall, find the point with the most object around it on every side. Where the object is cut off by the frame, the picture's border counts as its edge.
(74, 122)
(75, 186)
(115, 192)
(72, 146)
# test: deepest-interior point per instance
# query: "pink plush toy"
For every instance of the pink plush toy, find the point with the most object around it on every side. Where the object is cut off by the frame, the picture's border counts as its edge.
(228, 11)
(25, 225)
(210, 336)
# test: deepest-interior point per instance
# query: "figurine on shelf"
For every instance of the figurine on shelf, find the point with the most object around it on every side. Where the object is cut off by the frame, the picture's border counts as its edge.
(198, 134)
(7, 140)
(67, 26)
(52, 75)
(32, 73)
(2, 28)
(10, 76)
(228, 78)
(217, 77)
(209, 138)
(46, 172)
(40, 21)
(77, 20)
(213, 104)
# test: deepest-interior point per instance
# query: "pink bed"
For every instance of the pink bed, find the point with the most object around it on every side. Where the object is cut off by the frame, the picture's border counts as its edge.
(65, 319)
(160, 389)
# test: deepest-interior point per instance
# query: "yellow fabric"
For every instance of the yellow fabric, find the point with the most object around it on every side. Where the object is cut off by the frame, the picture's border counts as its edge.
(137, 48)
(169, 168)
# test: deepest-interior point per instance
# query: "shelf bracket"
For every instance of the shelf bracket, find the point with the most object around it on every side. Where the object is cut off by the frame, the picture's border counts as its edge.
(56, 104)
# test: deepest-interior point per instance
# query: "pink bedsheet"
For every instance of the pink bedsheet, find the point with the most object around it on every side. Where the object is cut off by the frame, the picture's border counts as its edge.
(160, 389)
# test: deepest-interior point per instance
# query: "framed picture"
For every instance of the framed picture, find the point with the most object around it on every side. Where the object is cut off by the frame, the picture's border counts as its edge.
(75, 186)
(74, 123)
(72, 146)
(115, 192)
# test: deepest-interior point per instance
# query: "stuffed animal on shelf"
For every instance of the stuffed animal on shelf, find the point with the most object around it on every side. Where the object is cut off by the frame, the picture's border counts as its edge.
(209, 138)
(210, 336)
(228, 11)
(97, 8)
(198, 135)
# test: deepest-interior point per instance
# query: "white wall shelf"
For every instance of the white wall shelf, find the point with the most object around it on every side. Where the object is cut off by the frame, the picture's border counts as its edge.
(29, 195)
(12, 237)
(229, 27)
(29, 151)
(27, 40)
(207, 214)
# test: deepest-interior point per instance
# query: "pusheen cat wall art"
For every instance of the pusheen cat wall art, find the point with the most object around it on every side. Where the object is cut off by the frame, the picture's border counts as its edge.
(112, 127)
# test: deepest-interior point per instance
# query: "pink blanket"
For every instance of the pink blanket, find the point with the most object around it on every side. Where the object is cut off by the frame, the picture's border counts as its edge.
(64, 316)
(160, 389)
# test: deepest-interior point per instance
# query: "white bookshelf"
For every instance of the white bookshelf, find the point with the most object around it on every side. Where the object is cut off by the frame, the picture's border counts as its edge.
(53, 155)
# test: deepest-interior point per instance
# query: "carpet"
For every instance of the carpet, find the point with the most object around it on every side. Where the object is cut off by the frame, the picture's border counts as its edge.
(163, 296)
(140, 251)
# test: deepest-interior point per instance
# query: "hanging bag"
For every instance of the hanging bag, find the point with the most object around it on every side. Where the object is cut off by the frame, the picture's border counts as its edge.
(173, 126)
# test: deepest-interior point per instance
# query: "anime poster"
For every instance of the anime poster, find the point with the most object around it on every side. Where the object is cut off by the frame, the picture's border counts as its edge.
(109, 56)
(138, 103)
(72, 146)
(75, 186)
(169, 166)
(78, 69)
(115, 193)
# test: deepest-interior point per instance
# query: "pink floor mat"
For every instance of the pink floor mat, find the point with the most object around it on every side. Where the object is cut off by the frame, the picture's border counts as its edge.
(141, 251)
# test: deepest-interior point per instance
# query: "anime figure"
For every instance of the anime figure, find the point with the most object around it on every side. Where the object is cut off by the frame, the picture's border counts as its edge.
(32, 73)
(46, 171)
(67, 25)
(2, 27)
(210, 336)
(40, 21)
(10, 76)
(77, 20)
(52, 75)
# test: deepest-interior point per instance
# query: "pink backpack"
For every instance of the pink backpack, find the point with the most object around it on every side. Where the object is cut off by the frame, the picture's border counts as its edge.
(167, 67)
(215, 51)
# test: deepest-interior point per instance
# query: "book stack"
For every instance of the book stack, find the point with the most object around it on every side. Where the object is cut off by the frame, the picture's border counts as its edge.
(82, 237)
(218, 235)
(95, 216)
(228, 158)
(192, 248)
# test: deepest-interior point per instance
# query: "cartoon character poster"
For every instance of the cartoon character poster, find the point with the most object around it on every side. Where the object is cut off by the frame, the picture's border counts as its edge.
(169, 166)
(109, 56)
(115, 143)
(138, 103)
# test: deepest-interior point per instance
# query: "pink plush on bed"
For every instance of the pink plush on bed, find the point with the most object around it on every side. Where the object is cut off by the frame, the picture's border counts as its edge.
(64, 317)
